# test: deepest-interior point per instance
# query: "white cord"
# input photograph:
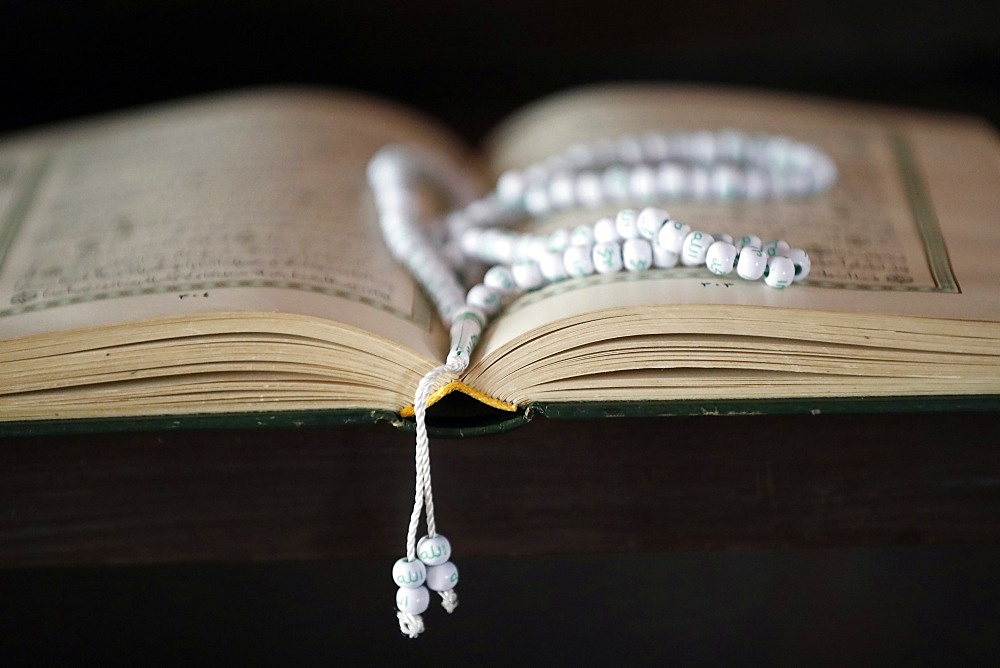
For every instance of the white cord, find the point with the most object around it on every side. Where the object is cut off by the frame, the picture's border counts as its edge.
(423, 498)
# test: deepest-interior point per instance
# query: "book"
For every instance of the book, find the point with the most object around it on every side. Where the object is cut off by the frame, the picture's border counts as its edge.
(220, 257)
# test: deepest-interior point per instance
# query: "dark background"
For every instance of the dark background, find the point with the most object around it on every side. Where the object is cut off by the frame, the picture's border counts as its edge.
(468, 64)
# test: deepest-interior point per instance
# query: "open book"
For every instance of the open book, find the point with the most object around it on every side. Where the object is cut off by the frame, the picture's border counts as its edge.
(221, 256)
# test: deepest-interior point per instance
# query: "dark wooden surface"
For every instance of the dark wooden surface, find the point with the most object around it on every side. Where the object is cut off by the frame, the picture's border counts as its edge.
(549, 487)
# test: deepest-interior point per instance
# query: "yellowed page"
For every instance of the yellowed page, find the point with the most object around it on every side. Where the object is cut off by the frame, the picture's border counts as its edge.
(908, 230)
(248, 202)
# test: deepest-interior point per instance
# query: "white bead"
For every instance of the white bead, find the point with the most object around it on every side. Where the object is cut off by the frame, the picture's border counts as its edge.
(536, 200)
(750, 240)
(582, 235)
(700, 183)
(650, 220)
(510, 186)
(671, 180)
(433, 550)
(384, 169)
(637, 254)
(695, 248)
(729, 145)
(663, 258)
(605, 231)
(497, 245)
(721, 257)
(500, 279)
(578, 261)
(607, 257)
(470, 240)
(484, 298)
(672, 235)
(443, 577)
(802, 263)
(551, 264)
(484, 212)
(558, 241)
(409, 574)
(588, 189)
(751, 264)
(702, 146)
(780, 272)
(615, 183)
(625, 224)
(727, 182)
(562, 190)
(722, 236)
(642, 182)
(537, 247)
(527, 274)
(776, 247)
(413, 601)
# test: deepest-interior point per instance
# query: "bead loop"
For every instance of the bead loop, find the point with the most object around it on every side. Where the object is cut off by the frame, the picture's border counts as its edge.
(631, 170)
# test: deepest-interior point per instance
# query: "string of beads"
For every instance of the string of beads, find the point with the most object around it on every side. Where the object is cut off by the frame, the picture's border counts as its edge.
(700, 166)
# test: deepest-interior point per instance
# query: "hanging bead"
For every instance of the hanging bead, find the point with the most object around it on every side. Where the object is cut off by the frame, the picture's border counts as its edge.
(433, 550)
(442, 577)
(408, 574)
(413, 601)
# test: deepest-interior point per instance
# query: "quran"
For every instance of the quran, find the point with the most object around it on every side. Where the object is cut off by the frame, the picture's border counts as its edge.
(220, 256)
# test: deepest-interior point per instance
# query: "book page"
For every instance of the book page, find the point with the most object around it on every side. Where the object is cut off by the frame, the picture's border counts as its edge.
(245, 202)
(907, 229)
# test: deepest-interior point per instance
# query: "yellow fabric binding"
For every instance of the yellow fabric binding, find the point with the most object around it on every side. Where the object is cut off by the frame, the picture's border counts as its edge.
(464, 389)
